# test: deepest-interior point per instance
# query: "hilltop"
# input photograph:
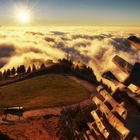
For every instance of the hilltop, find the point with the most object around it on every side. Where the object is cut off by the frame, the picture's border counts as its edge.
(43, 91)
(46, 86)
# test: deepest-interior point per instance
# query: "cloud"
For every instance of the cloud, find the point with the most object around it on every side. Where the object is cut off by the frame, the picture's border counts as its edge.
(32, 49)
(82, 44)
(103, 52)
(6, 51)
(2, 36)
(95, 48)
(3, 61)
(71, 52)
(91, 37)
(121, 44)
(58, 33)
(38, 62)
(35, 33)
(66, 38)
(49, 39)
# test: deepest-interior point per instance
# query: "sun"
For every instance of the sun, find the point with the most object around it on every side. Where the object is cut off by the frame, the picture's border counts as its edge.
(24, 17)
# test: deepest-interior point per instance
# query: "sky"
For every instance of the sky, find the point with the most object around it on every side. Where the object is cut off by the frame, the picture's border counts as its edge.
(73, 12)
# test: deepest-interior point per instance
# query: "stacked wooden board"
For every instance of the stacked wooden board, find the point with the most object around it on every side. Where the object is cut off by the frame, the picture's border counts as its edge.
(109, 124)
(117, 112)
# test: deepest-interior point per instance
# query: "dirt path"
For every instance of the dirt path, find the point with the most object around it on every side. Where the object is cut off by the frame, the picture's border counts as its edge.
(88, 86)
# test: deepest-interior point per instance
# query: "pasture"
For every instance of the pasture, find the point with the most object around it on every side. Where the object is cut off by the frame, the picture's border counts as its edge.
(42, 91)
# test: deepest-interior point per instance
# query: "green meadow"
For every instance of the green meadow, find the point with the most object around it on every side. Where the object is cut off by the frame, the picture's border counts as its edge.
(42, 91)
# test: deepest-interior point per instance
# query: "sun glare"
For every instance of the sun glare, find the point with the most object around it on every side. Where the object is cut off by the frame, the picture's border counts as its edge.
(24, 17)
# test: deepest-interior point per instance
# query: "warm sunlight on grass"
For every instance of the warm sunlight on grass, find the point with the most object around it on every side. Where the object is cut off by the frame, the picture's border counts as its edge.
(42, 91)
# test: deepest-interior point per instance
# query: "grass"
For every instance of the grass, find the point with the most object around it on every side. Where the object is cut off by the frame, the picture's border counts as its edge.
(42, 91)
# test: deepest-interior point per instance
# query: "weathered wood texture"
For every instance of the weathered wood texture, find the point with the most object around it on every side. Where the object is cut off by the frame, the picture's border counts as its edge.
(100, 125)
(112, 119)
(122, 64)
(116, 106)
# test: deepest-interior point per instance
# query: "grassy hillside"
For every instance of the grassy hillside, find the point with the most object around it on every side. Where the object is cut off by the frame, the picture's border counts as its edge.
(42, 91)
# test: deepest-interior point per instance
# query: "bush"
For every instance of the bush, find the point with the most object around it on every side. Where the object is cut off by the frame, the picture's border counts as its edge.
(74, 119)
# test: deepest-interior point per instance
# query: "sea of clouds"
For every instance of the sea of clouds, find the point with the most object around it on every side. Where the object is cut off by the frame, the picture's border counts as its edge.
(94, 46)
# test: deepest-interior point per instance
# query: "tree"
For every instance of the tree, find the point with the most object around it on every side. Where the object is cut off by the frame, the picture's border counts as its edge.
(33, 67)
(42, 66)
(77, 68)
(29, 70)
(0, 75)
(5, 74)
(8, 73)
(21, 69)
(13, 71)
(66, 62)
(18, 70)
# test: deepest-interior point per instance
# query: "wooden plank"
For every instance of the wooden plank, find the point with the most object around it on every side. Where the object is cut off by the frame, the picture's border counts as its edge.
(122, 64)
(89, 135)
(100, 125)
(92, 129)
(85, 136)
(138, 92)
(135, 98)
(134, 44)
(135, 138)
(111, 77)
(112, 119)
(133, 88)
(116, 106)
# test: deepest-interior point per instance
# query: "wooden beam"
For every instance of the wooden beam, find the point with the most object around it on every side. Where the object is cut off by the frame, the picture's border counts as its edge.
(134, 89)
(89, 135)
(85, 136)
(122, 64)
(100, 125)
(134, 44)
(116, 106)
(112, 119)
(135, 98)
(138, 92)
(93, 130)
(111, 77)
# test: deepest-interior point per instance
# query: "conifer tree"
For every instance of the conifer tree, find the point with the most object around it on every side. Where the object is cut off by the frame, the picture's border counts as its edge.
(42, 66)
(8, 73)
(33, 67)
(13, 71)
(29, 70)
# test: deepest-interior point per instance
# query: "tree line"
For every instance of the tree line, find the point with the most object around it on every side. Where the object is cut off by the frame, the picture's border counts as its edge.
(20, 70)
(65, 66)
